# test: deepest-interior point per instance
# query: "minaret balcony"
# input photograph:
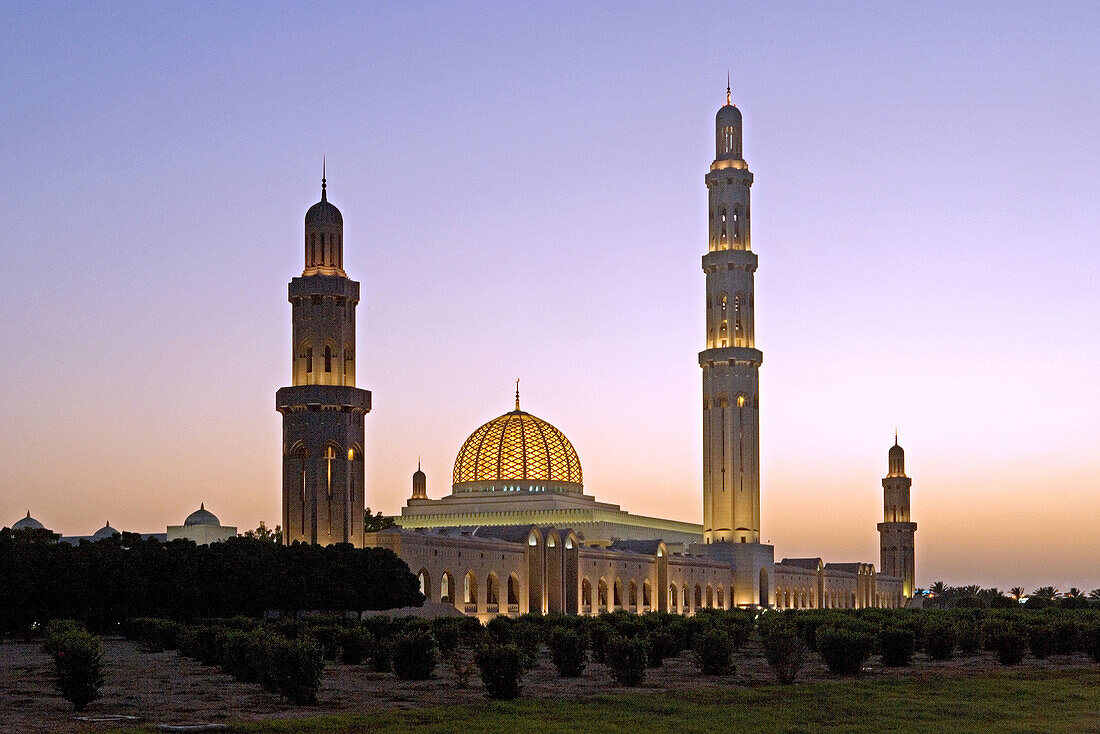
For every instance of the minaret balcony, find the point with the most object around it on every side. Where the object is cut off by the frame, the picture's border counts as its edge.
(322, 397)
(323, 285)
(897, 527)
(728, 171)
(719, 260)
(731, 355)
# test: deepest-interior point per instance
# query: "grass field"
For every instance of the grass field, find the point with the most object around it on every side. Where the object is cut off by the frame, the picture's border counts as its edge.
(1046, 701)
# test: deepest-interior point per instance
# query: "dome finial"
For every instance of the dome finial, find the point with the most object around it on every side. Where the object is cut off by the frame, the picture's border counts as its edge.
(517, 393)
(895, 436)
(727, 86)
(324, 185)
(202, 505)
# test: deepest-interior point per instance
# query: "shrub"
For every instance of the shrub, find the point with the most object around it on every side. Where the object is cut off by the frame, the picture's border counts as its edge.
(660, 644)
(968, 636)
(1066, 637)
(898, 645)
(1040, 638)
(1010, 646)
(713, 651)
(294, 668)
(501, 670)
(627, 660)
(939, 640)
(380, 656)
(600, 633)
(328, 637)
(1090, 639)
(527, 636)
(738, 625)
(78, 664)
(202, 643)
(844, 650)
(155, 635)
(243, 656)
(785, 652)
(569, 651)
(355, 644)
(415, 655)
(457, 638)
(54, 630)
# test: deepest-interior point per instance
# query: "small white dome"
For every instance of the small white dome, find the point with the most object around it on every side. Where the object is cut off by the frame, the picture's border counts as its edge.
(28, 523)
(105, 532)
(202, 516)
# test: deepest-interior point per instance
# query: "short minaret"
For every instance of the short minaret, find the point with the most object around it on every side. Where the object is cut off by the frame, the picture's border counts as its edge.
(420, 484)
(896, 541)
(730, 362)
(323, 411)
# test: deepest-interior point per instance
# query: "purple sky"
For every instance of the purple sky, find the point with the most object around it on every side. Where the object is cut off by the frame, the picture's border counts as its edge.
(523, 196)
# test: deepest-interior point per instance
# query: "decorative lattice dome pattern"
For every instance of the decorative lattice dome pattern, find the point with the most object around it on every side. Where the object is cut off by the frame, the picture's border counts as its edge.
(517, 446)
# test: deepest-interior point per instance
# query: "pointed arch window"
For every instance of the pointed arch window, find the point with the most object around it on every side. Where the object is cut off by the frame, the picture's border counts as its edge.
(330, 459)
(328, 359)
(723, 321)
(737, 312)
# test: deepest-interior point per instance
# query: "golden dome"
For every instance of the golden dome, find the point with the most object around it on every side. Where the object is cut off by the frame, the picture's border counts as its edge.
(518, 447)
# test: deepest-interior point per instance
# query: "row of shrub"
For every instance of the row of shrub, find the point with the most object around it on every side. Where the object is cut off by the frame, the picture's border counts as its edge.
(287, 656)
(78, 662)
(898, 634)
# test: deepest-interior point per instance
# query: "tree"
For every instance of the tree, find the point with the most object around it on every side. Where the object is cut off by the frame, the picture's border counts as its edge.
(374, 523)
(1094, 594)
(265, 533)
(1017, 592)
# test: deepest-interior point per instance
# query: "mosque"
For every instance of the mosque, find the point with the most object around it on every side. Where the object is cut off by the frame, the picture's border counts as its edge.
(517, 533)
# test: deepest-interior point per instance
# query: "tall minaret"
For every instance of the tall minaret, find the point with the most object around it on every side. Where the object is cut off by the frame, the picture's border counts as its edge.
(323, 410)
(731, 363)
(896, 542)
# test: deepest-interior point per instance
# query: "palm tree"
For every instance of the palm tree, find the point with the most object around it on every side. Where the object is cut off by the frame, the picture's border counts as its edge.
(1016, 592)
(1045, 592)
(938, 588)
(1075, 593)
(1094, 594)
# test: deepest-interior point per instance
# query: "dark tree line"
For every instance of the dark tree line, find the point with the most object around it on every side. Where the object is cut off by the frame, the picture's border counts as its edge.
(105, 583)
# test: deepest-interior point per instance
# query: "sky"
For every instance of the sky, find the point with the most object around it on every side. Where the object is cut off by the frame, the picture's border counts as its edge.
(522, 191)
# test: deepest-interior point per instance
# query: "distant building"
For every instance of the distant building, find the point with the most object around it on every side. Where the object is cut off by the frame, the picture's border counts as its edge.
(203, 527)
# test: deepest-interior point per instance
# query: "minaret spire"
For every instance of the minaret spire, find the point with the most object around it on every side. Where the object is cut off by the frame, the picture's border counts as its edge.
(517, 393)
(324, 185)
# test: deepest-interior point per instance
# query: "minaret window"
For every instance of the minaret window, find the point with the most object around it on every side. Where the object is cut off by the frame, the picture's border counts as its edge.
(722, 233)
(330, 458)
(737, 329)
(723, 322)
(328, 359)
(309, 360)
